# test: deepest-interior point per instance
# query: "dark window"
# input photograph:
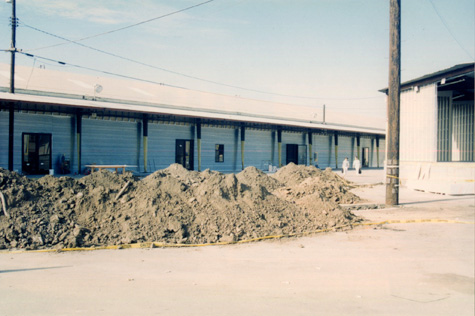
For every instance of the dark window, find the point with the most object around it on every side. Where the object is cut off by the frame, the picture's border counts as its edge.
(219, 153)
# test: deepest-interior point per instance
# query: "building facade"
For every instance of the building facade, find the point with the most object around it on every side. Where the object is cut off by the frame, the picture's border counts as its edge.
(57, 129)
(437, 132)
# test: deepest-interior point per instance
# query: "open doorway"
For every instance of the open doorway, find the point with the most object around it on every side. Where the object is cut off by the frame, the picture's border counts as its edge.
(36, 153)
(365, 156)
(296, 154)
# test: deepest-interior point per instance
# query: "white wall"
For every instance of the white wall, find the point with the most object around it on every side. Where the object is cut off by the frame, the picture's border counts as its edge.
(418, 130)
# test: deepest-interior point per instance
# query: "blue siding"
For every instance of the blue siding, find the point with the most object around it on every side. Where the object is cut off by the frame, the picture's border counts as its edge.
(111, 142)
(162, 141)
(60, 127)
(292, 138)
(229, 137)
(4, 139)
(260, 149)
(346, 149)
(120, 142)
(322, 145)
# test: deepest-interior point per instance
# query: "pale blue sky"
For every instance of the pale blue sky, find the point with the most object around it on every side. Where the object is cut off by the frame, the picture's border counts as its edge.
(333, 51)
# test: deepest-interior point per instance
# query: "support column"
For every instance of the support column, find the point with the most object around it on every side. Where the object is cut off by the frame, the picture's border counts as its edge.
(358, 147)
(310, 151)
(336, 150)
(78, 137)
(198, 140)
(279, 145)
(145, 141)
(243, 139)
(377, 151)
(11, 130)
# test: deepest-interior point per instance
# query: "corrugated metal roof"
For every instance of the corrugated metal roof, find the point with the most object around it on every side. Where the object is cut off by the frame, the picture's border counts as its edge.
(437, 76)
(71, 89)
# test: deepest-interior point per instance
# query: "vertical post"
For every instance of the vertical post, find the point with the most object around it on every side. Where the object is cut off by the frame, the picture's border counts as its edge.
(358, 146)
(394, 87)
(78, 137)
(145, 141)
(13, 48)
(243, 139)
(324, 114)
(310, 141)
(336, 150)
(279, 145)
(11, 108)
(377, 151)
(198, 136)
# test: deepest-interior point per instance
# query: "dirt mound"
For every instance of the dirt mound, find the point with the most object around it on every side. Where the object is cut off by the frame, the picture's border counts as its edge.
(172, 205)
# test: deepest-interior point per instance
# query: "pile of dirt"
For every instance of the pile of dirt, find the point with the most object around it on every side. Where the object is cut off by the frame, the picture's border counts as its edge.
(172, 205)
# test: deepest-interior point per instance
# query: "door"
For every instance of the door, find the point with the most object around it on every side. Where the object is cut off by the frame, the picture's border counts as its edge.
(184, 153)
(36, 153)
(302, 150)
(365, 156)
(292, 154)
(296, 154)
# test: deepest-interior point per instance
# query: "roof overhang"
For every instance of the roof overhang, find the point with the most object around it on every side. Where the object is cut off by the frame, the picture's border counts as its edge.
(91, 105)
(443, 77)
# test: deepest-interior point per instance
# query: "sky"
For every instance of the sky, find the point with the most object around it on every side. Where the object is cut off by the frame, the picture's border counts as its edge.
(303, 52)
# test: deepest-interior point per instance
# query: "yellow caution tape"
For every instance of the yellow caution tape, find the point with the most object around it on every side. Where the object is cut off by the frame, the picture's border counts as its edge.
(455, 180)
(166, 245)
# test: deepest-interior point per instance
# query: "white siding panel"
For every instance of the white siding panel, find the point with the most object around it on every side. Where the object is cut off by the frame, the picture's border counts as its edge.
(418, 119)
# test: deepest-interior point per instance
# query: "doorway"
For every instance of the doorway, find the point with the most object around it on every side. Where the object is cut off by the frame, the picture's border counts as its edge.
(36, 153)
(296, 154)
(365, 156)
(184, 153)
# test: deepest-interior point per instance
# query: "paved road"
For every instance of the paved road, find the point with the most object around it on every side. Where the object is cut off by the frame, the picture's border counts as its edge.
(397, 269)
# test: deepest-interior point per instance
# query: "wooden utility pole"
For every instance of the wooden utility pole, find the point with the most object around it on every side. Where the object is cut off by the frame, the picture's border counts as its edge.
(11, 109)
(394, 89)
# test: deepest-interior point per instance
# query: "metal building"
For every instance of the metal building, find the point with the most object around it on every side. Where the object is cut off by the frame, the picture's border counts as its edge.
(60, 117)
(437, 131)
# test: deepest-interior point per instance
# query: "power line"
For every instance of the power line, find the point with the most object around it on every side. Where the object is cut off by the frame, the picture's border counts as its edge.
(189, 76)
(126, 27)
(448, 29)
(62, 63)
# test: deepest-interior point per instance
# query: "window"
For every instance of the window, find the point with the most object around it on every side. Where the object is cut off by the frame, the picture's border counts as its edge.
(219, 153)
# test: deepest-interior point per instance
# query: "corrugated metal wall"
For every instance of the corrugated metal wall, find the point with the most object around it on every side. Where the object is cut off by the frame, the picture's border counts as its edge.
(297, 138)
(162, 141)
(463, 131)
(4, 139)
(418, 119)
(116, 141)
(444, 127)
(61, 128)
(346, 149)
(322, 145)
(260, 149)
(229, 137)
(111, 142)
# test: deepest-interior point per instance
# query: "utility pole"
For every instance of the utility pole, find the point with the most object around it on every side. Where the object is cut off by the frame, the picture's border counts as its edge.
(394, 89)
(13, 48)
(11, 110)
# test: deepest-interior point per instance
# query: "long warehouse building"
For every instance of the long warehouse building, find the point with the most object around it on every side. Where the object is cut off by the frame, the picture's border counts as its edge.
(62, 122)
